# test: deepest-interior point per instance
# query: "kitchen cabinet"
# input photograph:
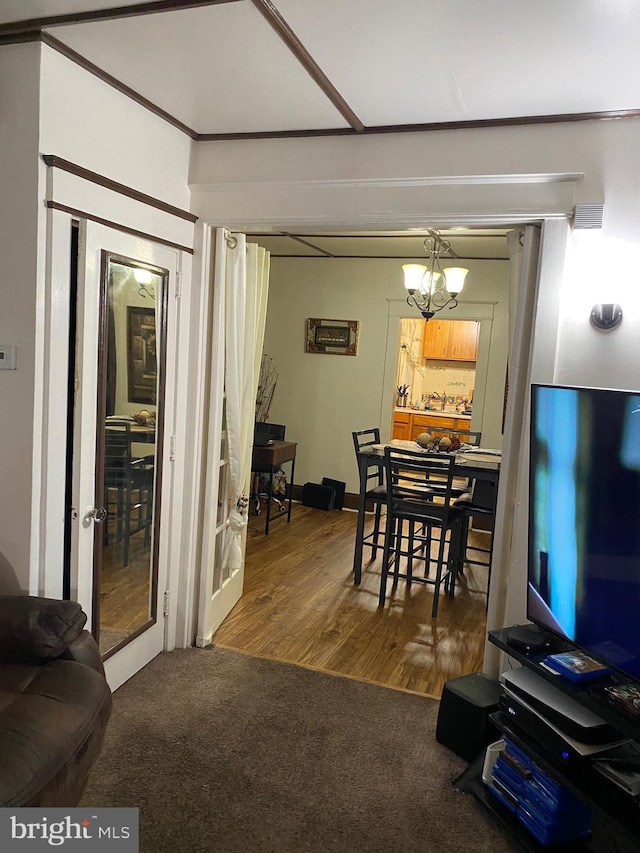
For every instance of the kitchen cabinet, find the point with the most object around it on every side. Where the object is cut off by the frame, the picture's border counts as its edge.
(451, 340)
(408, 425)
(401, 425)
(421, 423)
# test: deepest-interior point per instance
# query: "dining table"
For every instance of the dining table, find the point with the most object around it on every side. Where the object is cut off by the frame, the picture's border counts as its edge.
(472, 463)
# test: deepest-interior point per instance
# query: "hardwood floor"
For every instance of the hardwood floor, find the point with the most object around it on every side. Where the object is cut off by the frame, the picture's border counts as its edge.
(300, 605)
(124, 591)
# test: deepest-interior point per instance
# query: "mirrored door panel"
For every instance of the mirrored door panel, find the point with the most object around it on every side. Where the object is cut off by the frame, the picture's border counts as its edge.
(131, 364)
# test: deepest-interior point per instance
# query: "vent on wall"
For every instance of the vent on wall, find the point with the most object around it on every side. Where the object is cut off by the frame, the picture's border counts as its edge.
(588, 215)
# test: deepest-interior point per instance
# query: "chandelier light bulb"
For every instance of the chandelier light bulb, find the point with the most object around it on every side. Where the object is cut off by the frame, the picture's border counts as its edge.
(454, 278)
(413, 274)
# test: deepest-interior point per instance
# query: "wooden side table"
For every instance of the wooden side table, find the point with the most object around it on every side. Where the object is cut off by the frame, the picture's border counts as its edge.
(267, 459)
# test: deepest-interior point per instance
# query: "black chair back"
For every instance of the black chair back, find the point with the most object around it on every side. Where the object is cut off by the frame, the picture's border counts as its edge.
(419, 485)
(464, 436)
(362, 439)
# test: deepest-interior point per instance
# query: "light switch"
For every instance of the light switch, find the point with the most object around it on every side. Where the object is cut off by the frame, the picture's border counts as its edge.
(7, 357)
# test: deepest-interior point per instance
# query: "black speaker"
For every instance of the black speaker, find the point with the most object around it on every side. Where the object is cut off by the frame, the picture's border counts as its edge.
(463, 719)
(339, 488)
(320, 497)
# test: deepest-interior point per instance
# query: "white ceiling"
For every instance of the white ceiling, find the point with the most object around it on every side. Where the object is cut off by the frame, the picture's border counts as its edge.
(223, 69)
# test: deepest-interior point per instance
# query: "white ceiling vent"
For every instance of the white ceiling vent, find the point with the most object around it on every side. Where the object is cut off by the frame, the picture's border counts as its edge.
(588, 215)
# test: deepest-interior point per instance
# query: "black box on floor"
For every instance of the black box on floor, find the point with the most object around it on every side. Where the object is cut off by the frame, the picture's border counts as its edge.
(320, 497)
(463, 719)
(339, 487)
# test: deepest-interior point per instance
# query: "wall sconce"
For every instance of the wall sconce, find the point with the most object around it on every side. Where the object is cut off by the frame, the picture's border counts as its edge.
(432, 288)
(606, 316)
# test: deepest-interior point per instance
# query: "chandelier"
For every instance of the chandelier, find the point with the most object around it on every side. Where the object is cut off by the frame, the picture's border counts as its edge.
(432, 288)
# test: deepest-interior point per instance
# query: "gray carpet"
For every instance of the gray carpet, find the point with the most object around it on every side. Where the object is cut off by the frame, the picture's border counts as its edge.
(234, 754)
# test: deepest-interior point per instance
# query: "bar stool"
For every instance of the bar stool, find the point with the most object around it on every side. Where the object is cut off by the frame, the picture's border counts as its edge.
(372, 484)
(412, 497)
(481, 501)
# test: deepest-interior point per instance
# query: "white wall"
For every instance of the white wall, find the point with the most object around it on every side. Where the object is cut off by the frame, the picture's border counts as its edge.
(90, 123)
(19, 96)
(322, 398)
(52, 106)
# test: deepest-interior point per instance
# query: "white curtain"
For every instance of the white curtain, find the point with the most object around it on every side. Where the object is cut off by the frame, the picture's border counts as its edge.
(246, 292)
(508, 566)
(515, 241)
(410, 360)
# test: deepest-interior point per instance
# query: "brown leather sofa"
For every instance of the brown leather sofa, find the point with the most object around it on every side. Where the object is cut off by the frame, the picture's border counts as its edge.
(54, 702)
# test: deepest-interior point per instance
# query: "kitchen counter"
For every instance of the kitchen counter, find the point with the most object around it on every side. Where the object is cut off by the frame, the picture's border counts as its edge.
(433, 412)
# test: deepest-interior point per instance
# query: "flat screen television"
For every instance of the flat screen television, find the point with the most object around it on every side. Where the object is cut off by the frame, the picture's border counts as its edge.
(584, 520)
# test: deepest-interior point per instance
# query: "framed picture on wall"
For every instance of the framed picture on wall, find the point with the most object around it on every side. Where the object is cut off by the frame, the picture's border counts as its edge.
(333, 337)
(142, 365)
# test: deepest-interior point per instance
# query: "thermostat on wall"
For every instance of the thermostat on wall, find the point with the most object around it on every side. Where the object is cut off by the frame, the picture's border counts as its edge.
(7, 358)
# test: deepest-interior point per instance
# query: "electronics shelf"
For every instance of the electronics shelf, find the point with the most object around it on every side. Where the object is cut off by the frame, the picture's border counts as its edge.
(616, 815)
(470, 782)
(586, 694)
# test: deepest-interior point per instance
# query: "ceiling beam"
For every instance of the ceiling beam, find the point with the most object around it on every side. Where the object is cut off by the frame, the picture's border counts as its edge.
(471, 124)
(128, 11)
(304, 242)
(282, 28)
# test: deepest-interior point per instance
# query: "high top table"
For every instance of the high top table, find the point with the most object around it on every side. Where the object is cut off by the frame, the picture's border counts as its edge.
(472, 464)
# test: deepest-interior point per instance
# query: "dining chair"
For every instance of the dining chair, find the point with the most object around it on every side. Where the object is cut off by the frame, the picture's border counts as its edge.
(461, 485)
(128, 486)
(479, 502)
(465, 436)
(375, 494)
(429, 516)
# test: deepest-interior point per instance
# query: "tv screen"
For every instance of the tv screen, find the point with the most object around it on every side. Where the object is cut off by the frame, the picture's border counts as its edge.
(584, 520)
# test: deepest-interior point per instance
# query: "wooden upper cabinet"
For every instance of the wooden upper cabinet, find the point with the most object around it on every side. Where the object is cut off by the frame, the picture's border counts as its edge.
(452, 340)
(436, 338)
(463, 344)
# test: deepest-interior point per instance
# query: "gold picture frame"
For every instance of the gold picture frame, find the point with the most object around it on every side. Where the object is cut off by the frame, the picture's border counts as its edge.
(332, 337)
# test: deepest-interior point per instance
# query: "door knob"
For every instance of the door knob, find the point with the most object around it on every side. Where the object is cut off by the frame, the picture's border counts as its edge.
(97, 513)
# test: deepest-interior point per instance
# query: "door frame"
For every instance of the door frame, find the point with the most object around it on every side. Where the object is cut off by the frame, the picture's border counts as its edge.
(503, 606)
(482, 312)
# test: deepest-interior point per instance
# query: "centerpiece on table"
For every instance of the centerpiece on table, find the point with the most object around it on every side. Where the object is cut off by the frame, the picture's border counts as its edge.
(438, 443)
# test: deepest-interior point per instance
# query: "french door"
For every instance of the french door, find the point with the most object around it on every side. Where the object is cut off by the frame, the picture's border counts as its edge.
(220, 589)
(122, 426)
(239, 272)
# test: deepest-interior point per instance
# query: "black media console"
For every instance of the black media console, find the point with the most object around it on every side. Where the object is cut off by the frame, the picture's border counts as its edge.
(615, 814)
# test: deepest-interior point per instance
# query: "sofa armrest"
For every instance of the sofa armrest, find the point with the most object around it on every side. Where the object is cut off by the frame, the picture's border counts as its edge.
(35, 629)
(85, 650)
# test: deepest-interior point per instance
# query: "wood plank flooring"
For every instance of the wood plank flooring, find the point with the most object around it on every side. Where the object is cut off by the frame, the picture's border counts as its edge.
(300, 605)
